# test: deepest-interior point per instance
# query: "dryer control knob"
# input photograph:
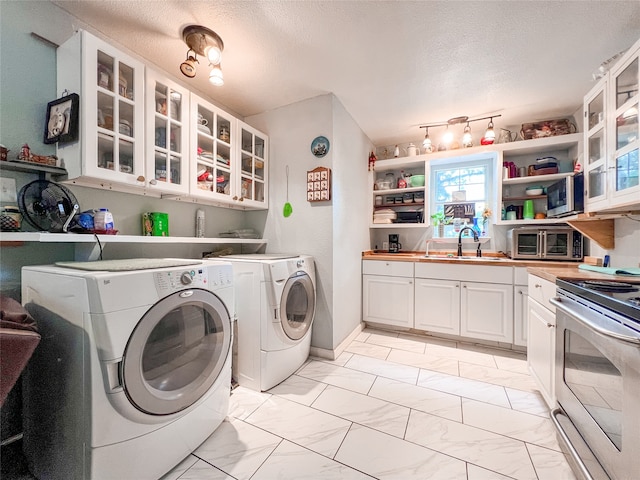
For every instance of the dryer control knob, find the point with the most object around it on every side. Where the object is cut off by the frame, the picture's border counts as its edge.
(185, 278)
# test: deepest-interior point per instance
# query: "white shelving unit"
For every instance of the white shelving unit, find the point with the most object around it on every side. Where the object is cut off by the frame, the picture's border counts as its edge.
(44, 237)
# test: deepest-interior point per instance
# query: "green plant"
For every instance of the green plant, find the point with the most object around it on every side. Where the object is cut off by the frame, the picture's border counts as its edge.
(438, 218)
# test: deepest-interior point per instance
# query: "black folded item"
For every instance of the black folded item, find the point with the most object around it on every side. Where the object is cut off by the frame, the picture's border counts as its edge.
(545, 165)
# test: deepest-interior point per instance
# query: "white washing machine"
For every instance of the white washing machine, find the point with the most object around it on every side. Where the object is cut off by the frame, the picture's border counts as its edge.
(275, 307)
(133, 371)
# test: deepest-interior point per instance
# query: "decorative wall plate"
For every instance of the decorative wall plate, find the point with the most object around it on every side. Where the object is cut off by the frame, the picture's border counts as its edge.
(320, 146)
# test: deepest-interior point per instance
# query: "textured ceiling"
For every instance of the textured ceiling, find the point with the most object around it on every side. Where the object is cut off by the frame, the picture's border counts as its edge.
(393, 65)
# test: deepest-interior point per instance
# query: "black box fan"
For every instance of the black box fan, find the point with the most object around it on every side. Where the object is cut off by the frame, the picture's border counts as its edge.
(47, 206)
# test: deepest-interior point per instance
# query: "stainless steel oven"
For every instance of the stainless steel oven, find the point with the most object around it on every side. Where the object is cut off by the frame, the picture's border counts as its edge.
(598, 377)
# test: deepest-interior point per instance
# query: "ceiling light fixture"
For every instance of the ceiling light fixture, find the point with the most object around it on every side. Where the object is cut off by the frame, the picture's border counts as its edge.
(206, 43)
(467, 141)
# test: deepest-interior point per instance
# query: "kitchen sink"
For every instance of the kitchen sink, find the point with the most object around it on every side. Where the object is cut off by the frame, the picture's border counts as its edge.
(467, 258)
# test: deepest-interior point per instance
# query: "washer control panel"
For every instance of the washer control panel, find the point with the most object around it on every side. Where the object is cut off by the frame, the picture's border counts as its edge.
(196, 276)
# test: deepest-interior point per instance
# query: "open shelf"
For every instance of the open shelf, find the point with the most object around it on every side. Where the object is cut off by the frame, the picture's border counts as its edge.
(45, 237)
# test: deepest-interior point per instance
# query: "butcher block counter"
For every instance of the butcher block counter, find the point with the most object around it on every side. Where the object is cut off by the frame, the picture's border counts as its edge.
(549, 270)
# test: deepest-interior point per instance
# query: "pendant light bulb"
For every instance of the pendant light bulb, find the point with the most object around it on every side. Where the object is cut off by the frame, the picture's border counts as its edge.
(467, 141)
(214, 54)
(215, 76)
(426, 143)
(489, 135)
(447, 137)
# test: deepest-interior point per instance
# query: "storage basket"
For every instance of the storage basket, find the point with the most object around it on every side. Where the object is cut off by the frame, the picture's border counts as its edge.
(547, 128)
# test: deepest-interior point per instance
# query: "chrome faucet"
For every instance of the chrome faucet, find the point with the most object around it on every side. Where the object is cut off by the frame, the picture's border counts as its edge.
(475, 239)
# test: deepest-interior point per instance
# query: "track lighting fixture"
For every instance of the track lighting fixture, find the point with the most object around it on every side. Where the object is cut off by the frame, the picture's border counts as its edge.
(206, 43)
(448, 137)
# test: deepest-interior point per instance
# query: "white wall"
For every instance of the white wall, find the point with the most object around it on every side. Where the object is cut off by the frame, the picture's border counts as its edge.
(334, 232)
(627, 247)
(351, 204)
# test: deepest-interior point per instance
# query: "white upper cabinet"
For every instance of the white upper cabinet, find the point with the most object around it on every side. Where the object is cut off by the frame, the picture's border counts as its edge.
(143, 133)
(595, 146)
(167, 134)
(612, 137)
(253, 153)
(111, 89)
(624, 141)
(213, 160)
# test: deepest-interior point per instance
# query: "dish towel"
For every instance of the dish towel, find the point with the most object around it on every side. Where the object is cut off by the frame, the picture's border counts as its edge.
(611, 271)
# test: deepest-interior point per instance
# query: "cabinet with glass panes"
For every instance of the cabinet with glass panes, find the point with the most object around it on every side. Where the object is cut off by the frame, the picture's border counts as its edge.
(167, 139)
(111, 85)
(612, 137)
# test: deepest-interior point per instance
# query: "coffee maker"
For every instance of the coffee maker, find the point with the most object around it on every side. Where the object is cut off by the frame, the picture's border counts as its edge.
(394, 243)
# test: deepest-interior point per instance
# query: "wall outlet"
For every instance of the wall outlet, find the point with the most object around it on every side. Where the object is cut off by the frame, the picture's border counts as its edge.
(385, 245)
(8, 190)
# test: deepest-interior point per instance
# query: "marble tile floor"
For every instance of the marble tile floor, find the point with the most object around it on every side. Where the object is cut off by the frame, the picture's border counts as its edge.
(392, 406)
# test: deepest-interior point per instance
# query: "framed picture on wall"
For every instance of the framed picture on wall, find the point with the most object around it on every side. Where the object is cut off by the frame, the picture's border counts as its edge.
(61, 121)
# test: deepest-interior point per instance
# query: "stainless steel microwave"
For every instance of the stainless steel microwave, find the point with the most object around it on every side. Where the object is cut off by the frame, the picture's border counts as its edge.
(566, 196)
(551, 243)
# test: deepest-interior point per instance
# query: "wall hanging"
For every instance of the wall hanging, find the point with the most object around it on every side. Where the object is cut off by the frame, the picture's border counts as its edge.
(61, 122)
(319, 184)
(320, 146)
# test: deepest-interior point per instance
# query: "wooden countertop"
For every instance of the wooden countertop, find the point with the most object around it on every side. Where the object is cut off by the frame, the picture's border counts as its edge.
(548, 270)
(488, 258)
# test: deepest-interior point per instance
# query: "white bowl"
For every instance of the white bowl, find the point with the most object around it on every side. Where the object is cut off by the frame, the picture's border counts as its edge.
(534, 191)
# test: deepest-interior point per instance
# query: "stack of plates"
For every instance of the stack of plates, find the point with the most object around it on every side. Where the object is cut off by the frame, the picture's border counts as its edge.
(385, 215)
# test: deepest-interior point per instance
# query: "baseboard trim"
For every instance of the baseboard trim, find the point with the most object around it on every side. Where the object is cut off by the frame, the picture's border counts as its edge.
(336, 352)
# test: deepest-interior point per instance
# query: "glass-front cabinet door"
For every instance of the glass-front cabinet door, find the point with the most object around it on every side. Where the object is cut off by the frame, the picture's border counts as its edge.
(253, 162)
(167, 142)
(595, 144)
(213, 161)
(624, 180)
(113, 92)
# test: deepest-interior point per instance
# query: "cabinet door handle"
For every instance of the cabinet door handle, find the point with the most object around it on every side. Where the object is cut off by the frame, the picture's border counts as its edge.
(457, 286)
(537, 285)
(550, 325)
(464, 286)
(235, 197)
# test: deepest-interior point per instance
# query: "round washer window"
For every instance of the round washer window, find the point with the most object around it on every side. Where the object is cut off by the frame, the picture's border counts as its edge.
(298, 305)
(176, 352)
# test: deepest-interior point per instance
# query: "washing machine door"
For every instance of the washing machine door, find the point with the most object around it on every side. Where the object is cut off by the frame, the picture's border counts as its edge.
(176, 352)
(297, 305)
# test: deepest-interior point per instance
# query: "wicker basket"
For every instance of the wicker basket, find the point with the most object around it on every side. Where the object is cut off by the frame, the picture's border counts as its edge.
(548, 128)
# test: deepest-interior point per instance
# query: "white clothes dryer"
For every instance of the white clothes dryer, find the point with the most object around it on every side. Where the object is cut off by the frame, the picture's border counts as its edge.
(275, 307)
(133, 371)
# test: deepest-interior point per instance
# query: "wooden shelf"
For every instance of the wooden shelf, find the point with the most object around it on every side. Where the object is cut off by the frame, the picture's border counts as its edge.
(600, 230)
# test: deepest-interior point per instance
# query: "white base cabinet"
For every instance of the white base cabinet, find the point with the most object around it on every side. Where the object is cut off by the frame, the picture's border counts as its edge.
(387, 293)
(541, 337)
(437, 305)
(451, 299)
(486, 311)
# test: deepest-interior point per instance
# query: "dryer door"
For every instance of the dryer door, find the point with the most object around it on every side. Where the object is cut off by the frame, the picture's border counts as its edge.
(297, 305)
(176, 352)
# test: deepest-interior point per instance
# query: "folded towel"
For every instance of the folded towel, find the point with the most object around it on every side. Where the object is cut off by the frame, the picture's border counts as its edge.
(611, 271)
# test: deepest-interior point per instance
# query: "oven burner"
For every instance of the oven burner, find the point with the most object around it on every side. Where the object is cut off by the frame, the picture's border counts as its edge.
(609, 286)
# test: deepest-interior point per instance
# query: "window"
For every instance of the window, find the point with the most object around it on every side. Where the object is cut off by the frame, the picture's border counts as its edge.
(465, 183)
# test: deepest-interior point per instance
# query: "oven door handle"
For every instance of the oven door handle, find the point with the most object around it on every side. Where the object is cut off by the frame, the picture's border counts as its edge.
(588, 323)
(572, 450)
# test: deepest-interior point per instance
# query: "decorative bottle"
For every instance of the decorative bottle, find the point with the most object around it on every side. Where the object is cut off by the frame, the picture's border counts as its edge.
(475, 227)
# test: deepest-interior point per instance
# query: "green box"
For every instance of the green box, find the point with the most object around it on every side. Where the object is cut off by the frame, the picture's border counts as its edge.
(155, 224)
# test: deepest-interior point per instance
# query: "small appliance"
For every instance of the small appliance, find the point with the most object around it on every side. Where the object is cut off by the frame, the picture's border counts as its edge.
(566, 196)
(394, 243)
(550, 243)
